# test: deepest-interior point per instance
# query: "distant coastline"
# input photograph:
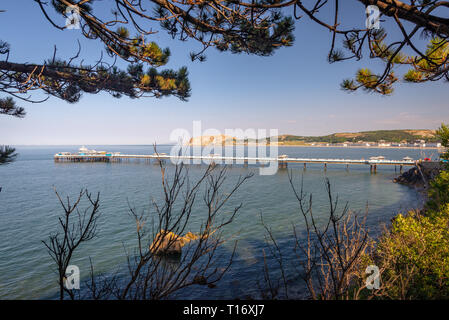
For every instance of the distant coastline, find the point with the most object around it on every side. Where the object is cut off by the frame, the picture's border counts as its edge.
(361, 147)
(316, 146)
(423, 139)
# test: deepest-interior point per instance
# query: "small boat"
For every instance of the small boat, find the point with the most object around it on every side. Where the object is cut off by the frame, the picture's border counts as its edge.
(283, 156)
(377, 158)
(407, 159)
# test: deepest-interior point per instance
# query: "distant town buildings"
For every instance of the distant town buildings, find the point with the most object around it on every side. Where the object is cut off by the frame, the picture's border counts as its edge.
(379, 144)
(225, 140)
(384, 144)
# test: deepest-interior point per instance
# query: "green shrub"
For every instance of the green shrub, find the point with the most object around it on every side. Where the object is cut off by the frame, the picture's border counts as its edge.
(443, 134)
(439, 191)
(414, 253)
(415, 256)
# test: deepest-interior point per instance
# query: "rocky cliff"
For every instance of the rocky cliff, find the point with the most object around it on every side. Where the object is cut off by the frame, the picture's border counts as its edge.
(420, 175)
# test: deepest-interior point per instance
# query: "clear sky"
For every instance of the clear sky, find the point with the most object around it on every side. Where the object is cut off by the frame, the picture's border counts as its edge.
(295, 91)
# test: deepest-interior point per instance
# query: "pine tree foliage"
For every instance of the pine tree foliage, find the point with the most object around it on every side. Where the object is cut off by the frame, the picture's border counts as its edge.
(433, 66)
(8, 106)
(257, 27)
(425, 65)
(128, 33)
(7, 155)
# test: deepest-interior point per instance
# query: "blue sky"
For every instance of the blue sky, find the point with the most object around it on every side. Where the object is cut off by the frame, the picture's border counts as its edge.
(295, 91)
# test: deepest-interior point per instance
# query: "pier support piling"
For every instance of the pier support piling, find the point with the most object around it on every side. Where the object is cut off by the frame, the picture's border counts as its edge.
(282, 165)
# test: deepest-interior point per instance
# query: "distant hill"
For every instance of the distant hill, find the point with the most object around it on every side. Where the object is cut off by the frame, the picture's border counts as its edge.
(365, 136)
(407, 136)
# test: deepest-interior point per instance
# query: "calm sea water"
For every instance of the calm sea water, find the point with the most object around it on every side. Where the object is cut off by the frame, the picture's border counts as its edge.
(29, 211)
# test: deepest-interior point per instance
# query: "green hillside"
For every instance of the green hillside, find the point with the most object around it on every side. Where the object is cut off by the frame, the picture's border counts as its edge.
(365, 136)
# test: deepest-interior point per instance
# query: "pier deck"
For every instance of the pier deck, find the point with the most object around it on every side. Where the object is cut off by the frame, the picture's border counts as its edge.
(59, 157)
(282, 161)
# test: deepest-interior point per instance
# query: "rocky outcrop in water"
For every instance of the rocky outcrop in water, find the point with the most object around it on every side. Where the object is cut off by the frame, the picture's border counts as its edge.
(420, 175)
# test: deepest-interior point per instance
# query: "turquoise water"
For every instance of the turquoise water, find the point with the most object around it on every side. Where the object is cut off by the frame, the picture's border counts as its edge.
(29, 211)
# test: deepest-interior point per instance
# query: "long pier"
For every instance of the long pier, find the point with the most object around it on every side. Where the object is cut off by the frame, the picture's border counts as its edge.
(281, 160)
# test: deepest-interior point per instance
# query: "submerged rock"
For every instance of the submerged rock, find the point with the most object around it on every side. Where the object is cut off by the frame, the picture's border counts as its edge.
(169, 243)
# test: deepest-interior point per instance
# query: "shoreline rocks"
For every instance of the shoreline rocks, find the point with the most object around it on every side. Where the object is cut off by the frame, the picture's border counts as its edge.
(420, 175)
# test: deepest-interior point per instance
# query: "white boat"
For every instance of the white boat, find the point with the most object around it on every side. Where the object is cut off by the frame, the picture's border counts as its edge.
(83, 149)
